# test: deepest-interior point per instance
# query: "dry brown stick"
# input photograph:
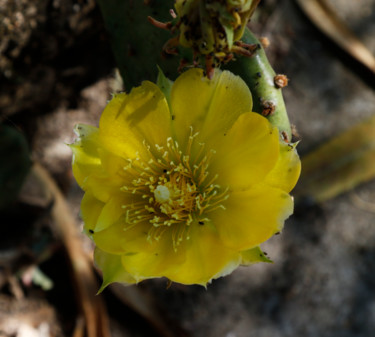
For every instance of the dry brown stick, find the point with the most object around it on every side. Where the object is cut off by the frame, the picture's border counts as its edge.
(92, 307)
(326, 19)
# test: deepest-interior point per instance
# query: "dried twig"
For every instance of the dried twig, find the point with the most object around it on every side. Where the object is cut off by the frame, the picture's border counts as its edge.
(92, 307)
(325, 18)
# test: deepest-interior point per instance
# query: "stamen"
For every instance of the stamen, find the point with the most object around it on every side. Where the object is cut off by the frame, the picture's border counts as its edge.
(172, 190)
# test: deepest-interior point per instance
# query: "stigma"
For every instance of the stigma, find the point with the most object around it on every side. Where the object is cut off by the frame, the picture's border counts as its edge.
(172, 189)
(162, 194)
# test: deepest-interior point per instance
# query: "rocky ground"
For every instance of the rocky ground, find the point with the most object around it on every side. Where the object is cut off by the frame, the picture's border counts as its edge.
(57, 70)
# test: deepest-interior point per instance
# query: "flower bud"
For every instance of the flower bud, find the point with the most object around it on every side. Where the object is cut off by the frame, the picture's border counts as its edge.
(212, 26)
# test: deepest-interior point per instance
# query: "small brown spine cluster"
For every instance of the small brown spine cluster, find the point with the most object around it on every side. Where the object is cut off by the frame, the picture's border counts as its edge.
(280, 81)
(269, 108)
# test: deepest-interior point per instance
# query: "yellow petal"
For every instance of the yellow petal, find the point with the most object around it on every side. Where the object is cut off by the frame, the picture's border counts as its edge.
(247, 153)
(130, 119)
(158, 261)
(112, 165)
(85, 152)
(112, 269)
(90, 211)
(287, 170)
(110, 213)
(117, 239)
(251, 217)
(209, 106)
(206, 257)
(103, 186)
(253, 255)
(97, 215)
(93, 167)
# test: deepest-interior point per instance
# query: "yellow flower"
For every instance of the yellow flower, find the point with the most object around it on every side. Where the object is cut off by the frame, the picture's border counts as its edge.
(184, 184)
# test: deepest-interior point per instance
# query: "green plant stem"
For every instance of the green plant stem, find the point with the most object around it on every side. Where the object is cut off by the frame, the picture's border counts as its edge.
(258, 74)
(137, 45)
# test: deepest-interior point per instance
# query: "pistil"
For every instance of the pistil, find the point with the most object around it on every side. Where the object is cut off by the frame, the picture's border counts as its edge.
(173, 189)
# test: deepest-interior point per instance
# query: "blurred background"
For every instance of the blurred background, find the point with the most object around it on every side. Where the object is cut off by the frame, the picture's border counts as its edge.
(57, 69)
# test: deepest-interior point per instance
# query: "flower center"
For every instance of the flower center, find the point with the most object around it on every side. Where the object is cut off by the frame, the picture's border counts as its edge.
(162, 194)
(172, 190)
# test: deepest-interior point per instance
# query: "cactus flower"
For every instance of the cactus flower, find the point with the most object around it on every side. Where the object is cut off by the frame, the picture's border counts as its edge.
(183, 183)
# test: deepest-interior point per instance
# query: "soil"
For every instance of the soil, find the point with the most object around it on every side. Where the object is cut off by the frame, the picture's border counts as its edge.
(56, 69)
